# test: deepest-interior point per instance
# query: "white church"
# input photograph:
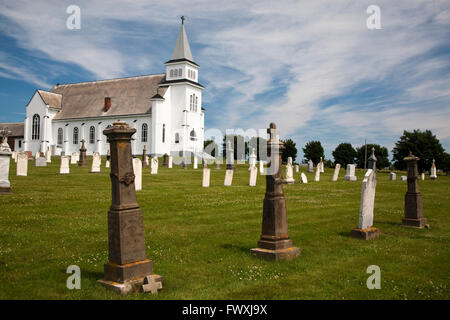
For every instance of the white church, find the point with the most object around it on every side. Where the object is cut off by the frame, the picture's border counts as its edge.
(165, 109)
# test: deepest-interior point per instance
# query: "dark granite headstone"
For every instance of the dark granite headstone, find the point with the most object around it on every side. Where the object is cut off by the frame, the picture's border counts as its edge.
(83, 160)
(128, 266)
(275, 243)
(413, 197)
(144, 157)
(165, 160)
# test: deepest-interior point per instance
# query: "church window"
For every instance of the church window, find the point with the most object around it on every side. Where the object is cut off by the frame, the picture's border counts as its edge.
(180, 72)
(92, 134)
(60, 136)
(193, 136)
(189, 73)
(144, 132)
(175, 73)
(171, 73)
(75, 135)
(191, 105)
(164, 133)
(193, 75)
(196, 101)
(177, 137)
(36, 130)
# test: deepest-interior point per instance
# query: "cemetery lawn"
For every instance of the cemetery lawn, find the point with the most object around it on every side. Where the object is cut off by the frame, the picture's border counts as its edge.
(199, 239)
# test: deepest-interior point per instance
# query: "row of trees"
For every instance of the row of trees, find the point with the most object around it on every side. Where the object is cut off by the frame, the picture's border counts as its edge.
(423, 144)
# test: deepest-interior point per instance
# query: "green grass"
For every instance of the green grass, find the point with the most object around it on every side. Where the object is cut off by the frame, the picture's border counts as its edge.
(200, 238)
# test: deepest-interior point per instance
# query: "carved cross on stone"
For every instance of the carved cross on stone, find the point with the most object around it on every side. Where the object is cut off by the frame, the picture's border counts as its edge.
(150, 285)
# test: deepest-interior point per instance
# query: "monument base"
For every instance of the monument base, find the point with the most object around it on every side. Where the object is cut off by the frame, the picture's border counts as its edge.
(130, 286)
(5, 189)
(280, 254)
(415, 223)
(350, 178)
(365, 234)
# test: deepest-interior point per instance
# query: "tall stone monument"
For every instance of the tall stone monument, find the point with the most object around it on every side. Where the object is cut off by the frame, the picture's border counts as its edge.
(5, 158)
(165, 160)
(83, 160)
(365, 228)
(321, 165)
(317, 175)
(274, 243)
(336, 172)
(128, 268)
(144, 157)
(289, 172)
(433, 174)
(413, 198)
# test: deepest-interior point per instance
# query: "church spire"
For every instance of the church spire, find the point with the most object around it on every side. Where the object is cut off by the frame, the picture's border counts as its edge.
(182, 49)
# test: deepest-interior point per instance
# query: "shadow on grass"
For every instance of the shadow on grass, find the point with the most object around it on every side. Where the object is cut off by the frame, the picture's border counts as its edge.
(232, 247)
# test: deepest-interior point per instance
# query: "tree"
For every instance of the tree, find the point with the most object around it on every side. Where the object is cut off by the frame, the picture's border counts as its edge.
(445, 163)
(290, 150)
(313, 151)
(422, 144)
(212, 147)
(381, 153)
(260, 145)
(344, 154)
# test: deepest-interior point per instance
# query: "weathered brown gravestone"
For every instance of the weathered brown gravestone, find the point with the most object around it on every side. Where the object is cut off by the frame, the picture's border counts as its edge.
(413, 197)
(274, 243)
(165, 160)
(144, 157)
(128, 268)
(83, 160)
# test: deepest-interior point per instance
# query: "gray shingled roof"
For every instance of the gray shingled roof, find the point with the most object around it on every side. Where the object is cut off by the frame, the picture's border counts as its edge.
(128, 96)
(51, 99)
(16, 128)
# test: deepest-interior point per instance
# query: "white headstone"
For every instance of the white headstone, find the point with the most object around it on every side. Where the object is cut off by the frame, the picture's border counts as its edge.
(310, 166)
(317, 175)
(261, 167)
(107, 164)
(253, 176)
(336, 172)
(95, 163)
(37, 155)
(304, 178)
(433, 174)
(154, 165)
(14, 156)
(195, 163)
(22, 164)
(367, 200)
(392, 176)
(64, 168)
(40, 162)
(5, 159)
(423, 176)
(403, 178)
(228, 177)
(137, 169)
(74, 158)
(350, 175)
(206, 176)
(252, 159)
(289, 172)
(170, 162)
(321, 165)
(48, 156)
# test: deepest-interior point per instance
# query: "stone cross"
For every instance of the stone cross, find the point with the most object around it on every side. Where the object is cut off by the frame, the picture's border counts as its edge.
(274, 243)
(150, 285)
(83, 160)
(128, 266)
(413, 198)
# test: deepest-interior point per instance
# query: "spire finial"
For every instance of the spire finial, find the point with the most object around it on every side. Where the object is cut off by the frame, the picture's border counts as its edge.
(182, 19)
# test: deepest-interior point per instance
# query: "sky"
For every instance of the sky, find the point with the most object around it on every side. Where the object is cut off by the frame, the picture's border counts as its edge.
(312, 67)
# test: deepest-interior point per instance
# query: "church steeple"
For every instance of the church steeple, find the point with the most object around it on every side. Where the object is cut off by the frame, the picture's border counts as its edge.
(182, 49)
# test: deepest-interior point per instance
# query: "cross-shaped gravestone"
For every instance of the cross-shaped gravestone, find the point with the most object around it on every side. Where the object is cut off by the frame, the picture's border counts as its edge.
(150, 285)
(273, 132)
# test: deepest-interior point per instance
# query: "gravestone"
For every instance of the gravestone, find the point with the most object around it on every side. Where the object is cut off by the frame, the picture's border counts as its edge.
(37, 155)
(433, 174)
(154, 165)
(310, 166)
(170, 162)
(144, 157)
(413, 198)
(74, 158)
(22, 164)
(128, 266)
(321, 166)
(392, 176)
(252, 160)
(422, 176)
(137, 170)
(5, 159)
(350, 175)
(14, 156)
(289, 172)
(274, 243)
(165, 160)
(48, 155)
(206, 176)
(40, 162)
(365, 228)
(403, 178)
(228, 177)
(195, 162)
(336, 172)
(64, 167)
(95, 167)
(83, 159)
(261, 167)
(253, 176)
(317, 175)
(304, 178)
(297, 169)
(230, 156)
(108, 159)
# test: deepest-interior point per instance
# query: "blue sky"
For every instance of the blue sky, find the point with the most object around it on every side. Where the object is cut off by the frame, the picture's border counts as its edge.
(313, 67)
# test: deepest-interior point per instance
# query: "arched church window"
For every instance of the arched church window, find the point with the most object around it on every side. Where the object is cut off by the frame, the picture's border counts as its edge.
(196, 101)
(36, 129)
(177, 137)
(193, 136)
(175, 73)
(180, 72)
(171, 73)
(164, 133)
(75, 135)
(60, 136)
(92, 134)
(144, 132)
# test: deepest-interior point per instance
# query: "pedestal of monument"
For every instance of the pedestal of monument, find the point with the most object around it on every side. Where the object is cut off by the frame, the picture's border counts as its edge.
(128, 269)
(83, 159)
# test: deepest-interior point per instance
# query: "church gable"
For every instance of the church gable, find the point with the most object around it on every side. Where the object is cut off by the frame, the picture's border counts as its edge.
(115, 97)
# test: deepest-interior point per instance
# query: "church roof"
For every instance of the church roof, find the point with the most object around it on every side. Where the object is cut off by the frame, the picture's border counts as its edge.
(128, 96)
(182, 51)
(51, 99)
(16, 128)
